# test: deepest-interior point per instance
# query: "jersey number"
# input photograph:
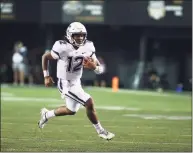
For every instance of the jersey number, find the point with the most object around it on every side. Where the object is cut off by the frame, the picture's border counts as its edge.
(74, 63)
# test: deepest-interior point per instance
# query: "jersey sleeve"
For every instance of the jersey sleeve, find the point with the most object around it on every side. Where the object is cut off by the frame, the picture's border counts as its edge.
(95, 58)
(58, 50)
(92, 48)
(93, 53)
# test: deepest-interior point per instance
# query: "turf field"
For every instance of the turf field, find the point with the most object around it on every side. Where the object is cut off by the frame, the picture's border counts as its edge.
(142, 121)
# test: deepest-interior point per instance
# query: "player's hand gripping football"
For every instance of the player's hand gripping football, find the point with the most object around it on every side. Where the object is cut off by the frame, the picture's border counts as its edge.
(48, 81)
(89, 63)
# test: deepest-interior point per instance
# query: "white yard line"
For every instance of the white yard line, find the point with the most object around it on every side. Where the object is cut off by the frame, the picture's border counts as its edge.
(110, 126)
(27, 99)
(8, 94)
(129, 134)
(139, 92)
(158, 117)
(58, 102)
(90, 141)
(114, 108)
(117, 108)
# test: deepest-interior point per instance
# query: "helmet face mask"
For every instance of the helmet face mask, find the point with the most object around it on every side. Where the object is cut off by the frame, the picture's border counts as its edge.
(76, 34)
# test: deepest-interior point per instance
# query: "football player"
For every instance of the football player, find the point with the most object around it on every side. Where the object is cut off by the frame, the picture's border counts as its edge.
(72, 54)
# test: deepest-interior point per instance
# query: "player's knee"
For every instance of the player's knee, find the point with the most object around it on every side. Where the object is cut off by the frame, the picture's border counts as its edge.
(72, 113)
(89, 104)
(69, 112)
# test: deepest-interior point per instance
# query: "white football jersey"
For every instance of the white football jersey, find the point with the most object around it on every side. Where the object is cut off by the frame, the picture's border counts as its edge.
(70, 60)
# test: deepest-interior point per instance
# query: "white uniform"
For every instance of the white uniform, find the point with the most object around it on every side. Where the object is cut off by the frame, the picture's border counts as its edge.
(69, 71)
(18, 60)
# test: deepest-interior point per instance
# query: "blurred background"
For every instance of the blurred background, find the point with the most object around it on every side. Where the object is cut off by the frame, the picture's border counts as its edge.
(146, 44)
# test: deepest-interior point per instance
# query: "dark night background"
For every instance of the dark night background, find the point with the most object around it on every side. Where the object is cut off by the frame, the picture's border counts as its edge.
(124, 39)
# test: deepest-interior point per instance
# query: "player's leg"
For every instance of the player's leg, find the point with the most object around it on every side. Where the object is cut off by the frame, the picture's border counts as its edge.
(15, 74)
(70, 109)
(96, 83)
(21, 73)
(78, 94)
(63, 110)
(91, 114)
(15, 77)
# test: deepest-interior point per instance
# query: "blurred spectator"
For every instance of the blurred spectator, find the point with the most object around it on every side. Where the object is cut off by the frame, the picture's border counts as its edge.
(179, 87)
(101, 78)
(19, 63)
(153, 80)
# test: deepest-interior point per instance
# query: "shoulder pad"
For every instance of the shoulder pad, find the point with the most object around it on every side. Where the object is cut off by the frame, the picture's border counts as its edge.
(88, 41)
(91, 46)
(62, 42)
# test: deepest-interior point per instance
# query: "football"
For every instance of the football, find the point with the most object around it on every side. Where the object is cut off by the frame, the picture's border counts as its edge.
(86, 59)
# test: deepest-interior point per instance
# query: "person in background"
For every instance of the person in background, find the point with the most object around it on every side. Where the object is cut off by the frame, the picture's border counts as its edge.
(101, 78)
(19, 60)
(179, 88)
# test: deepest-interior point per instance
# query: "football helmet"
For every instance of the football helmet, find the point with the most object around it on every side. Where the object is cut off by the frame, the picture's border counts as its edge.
(76, 28)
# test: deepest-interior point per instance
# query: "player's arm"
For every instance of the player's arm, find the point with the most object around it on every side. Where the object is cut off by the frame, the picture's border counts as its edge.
(45, 62)
(92, 62)
(53, 55)
(99, 69)
(48, 81)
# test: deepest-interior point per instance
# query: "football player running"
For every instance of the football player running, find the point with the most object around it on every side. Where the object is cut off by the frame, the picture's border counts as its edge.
(72, 54)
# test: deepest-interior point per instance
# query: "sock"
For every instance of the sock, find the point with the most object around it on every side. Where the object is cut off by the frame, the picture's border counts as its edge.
(50, 114)
(98, 127)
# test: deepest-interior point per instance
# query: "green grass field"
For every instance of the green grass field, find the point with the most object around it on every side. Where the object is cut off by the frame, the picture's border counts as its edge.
(142, 121)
